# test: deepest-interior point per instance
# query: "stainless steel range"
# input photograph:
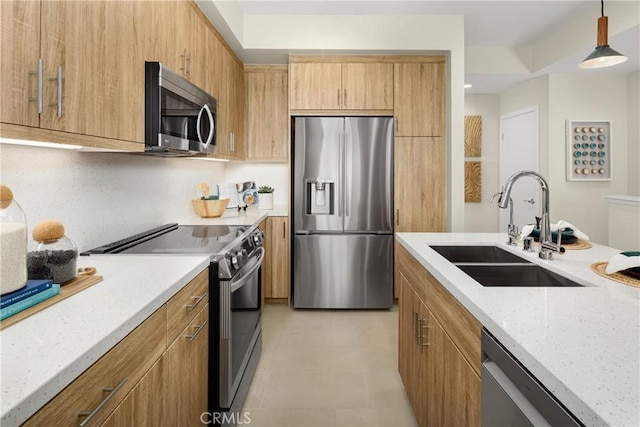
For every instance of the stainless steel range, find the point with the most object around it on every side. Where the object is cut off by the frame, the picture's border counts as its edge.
(235, 341)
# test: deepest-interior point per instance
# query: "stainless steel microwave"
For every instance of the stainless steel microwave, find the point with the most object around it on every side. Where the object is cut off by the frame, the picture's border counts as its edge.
(180, 118)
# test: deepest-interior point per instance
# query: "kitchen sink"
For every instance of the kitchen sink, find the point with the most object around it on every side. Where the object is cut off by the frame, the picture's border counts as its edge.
(529, 275)
(479, 254)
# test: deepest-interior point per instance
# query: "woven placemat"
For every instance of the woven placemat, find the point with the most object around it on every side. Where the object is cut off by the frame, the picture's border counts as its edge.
(600, 267)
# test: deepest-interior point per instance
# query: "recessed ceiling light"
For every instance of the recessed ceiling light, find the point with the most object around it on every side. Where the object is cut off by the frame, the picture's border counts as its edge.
(467, 85)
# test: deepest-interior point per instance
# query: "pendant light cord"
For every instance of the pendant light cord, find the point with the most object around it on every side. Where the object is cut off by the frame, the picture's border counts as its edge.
(601, 7)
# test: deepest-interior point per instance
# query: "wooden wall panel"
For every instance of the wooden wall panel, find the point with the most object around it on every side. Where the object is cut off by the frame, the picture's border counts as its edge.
(472, 182)
(472, 136)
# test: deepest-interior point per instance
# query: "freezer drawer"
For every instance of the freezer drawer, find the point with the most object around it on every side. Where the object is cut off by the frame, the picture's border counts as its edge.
(343, 271)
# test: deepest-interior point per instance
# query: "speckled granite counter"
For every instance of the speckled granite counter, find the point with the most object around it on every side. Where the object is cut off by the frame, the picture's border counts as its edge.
(583, 344)
(42, 354)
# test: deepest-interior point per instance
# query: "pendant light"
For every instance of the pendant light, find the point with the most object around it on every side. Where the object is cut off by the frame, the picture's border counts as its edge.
(603, 56)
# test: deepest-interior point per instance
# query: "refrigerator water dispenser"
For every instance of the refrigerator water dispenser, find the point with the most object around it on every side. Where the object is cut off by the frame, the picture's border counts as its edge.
(320, 197)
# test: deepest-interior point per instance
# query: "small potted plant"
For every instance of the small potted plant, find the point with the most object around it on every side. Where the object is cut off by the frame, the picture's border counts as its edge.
(265, 197)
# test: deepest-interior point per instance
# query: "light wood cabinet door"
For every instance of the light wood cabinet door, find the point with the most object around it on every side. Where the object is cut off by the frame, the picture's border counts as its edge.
(100, 49)
(419, 184)
(367, 86)
(144, 405)
(267, 133)
(419, 94)
(230, 107)
(316, 86)
(19, 54)
(198, 57)
(454, 386)
(187, 373)
(278, 284)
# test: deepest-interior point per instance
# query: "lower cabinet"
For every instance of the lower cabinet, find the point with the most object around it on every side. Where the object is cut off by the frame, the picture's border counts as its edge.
(188, 373)
(276, 265)
(145, 379)
(144, 406)
(442, 384)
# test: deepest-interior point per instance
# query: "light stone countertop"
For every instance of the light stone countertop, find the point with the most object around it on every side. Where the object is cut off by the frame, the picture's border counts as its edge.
(253, 216)
(583, 344)
(43, 353)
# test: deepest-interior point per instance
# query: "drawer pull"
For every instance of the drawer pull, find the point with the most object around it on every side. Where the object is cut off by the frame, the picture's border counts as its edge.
(90, 414)
(197, 331)
(197, 299)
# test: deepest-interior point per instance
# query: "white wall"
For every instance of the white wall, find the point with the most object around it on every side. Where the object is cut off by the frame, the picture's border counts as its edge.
(633, 118)
(483, 217)
(586, 97)
(102, 197)
(275, 175)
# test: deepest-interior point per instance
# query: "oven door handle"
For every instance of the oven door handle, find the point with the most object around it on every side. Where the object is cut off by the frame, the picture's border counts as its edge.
(245, 276)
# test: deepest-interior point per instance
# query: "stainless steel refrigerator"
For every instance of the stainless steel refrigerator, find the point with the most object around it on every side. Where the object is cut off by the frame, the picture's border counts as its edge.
(343, 212)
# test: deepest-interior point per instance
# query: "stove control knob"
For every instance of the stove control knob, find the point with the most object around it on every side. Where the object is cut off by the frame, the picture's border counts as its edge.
(235, 262)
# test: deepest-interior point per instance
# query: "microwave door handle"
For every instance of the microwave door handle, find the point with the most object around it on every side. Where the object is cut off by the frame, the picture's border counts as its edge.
(211, 126)
(198, 124)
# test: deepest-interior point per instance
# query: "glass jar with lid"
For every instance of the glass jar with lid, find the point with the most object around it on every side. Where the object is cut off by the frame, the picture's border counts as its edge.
(13, 243)
(52, 255)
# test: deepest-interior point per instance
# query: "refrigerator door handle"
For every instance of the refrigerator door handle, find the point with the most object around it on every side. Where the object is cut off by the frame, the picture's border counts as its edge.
(341, 189)
(347, 175)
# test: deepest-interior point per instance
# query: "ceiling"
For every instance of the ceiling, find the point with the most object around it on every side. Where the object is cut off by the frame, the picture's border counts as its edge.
(487, 24)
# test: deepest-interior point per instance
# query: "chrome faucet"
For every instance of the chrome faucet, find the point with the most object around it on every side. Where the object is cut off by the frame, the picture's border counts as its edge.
(512, 229)
(547, 247)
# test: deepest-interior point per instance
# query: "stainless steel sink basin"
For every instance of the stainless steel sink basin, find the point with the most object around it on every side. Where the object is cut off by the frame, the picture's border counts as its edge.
(472, 254)
(516, 276)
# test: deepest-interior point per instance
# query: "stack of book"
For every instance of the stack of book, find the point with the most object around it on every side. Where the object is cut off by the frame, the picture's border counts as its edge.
(33, 293)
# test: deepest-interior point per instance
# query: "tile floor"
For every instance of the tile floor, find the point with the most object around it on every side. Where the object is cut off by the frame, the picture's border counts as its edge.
(328, 368)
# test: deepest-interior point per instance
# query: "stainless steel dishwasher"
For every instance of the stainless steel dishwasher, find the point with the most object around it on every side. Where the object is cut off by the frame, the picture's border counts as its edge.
(511, 396)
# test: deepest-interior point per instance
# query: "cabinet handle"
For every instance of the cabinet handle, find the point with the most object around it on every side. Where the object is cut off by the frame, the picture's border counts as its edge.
(398, 217)
(58, 102)
(184, 62)
(188, 65)
(284, 230)
(397, 126)
(196, 332)
(38, 97)
(344, 99)
(90, 414)
(197, 299)
(338, 99)
(416, 327)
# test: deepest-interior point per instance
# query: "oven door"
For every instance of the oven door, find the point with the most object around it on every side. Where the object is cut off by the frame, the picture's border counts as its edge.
(240, 325)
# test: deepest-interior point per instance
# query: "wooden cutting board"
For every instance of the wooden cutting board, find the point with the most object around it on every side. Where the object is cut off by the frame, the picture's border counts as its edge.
(80, 283)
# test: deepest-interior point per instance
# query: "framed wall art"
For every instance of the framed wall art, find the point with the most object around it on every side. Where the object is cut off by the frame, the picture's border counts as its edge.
(589, 150)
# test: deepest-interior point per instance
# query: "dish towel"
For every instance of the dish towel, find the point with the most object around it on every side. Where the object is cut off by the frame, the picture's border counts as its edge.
(527, 229)
(623, 261)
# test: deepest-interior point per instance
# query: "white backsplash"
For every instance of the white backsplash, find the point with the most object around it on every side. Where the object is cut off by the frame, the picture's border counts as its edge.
(275, 175)
(102, 197)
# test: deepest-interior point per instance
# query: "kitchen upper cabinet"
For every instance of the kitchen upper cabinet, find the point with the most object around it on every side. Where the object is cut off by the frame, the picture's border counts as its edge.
(276, 267)
(419, 96)
(341, 86)
(267, 113)
(439, 370)
(20, 41)
(93, 55)
(230, 107)
(367, 86)
(419, 184)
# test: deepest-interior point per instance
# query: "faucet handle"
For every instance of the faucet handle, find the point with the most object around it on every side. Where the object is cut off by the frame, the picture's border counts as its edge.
(494, 196)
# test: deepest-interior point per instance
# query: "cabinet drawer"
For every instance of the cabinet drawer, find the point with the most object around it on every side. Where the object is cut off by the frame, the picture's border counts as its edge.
(183, 307)
(118, 371)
